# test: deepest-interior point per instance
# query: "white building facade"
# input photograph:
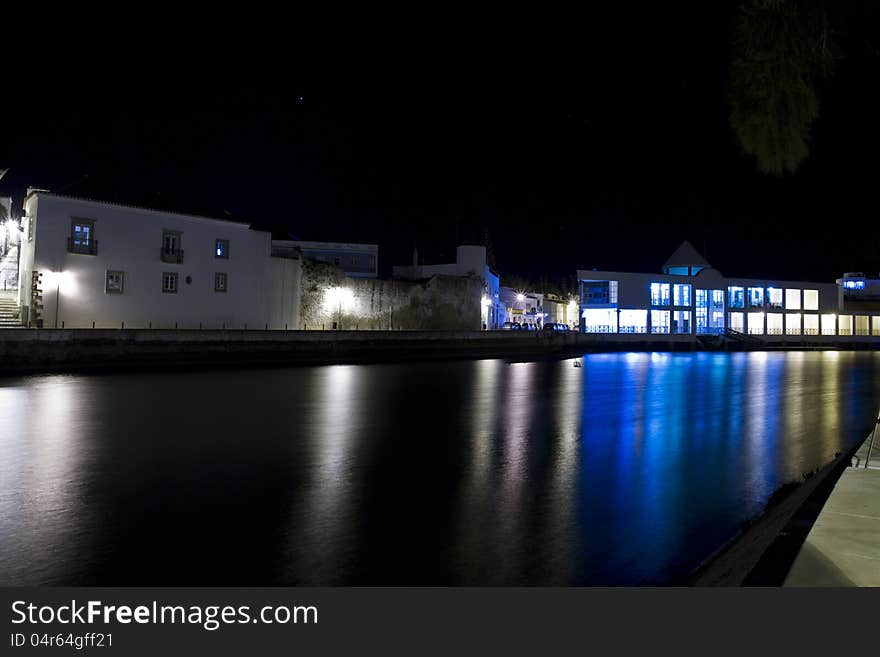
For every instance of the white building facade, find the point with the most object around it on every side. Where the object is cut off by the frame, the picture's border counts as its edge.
(87, 263)
(690, 298)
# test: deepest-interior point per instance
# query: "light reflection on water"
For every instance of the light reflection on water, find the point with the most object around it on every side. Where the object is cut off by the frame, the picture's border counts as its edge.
(627, 470)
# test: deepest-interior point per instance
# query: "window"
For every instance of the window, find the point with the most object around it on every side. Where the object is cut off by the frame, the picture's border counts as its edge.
(660, 321)
(792, 299)
(875, 325)
(681, 294)
(171, 251)
(681, 321)
(774, 324)
(829, 324)
(169, 282)
(82, 237)
(221, 248)
(600, 320)
(774, 297)
(793, 324)
(756, 323)
(811, 299)
(737, 322)
(114, 282)
(219, 282)
(756, 297)
(660, 294)
(736, 297)
(862, 325)
(845, 325)
(596, 293)
(30, 222)
(811, 324)
(633, 321)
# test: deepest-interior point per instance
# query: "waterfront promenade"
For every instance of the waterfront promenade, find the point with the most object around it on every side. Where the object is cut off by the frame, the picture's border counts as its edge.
(843, 546)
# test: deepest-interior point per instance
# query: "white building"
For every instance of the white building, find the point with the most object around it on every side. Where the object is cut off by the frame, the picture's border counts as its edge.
(470, 260)
(692, 298)
(88, 263)
(355, 260)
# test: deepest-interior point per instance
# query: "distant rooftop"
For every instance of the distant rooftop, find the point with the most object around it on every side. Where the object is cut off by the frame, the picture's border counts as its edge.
(686, 256)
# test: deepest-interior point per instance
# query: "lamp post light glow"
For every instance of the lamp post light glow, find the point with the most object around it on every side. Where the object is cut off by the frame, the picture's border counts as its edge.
(339, 300)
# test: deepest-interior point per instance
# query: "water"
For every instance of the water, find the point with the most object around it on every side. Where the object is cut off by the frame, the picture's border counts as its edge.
(628, 470)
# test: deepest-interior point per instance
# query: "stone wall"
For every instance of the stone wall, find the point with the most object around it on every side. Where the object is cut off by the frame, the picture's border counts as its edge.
(441, 302)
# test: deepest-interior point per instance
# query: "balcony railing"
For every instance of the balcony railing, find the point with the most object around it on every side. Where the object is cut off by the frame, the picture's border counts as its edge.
(167, 256)
(79, 246)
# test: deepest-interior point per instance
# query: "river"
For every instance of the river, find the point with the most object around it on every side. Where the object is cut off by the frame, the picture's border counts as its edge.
(628, 470)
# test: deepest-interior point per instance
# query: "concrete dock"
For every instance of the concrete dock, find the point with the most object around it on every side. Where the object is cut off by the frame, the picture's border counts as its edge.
(843, 546)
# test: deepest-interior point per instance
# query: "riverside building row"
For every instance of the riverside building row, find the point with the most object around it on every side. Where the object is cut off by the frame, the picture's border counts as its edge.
(690, 299)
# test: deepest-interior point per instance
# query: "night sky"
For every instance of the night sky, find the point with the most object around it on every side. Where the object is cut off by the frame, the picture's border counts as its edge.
(578, 140)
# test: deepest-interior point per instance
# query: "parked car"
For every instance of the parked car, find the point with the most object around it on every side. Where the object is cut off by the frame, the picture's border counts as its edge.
(528, 327)
(510, 326)
(556, 326)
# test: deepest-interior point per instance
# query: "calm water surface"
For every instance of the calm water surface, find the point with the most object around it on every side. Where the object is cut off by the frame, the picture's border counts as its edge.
(628, 470)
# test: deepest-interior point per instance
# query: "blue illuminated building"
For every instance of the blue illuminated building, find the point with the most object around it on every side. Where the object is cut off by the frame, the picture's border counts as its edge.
(690, 298)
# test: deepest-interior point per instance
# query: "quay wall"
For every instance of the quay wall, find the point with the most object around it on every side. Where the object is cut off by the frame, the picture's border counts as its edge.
(31, 350)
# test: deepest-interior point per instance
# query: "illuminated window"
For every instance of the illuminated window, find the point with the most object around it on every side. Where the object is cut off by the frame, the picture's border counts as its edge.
(862, 325)
(82, 237)
(875, 325)
(811, 299)
(845, 325)
(756, 323)
(681, 294)
(220, 281)
(736, 297)
(633, 321)
(600, 320)
(659, 294)
(169, 282)
(756, 297)
(829, 324)
(718, 298)
(774, 297)
(792, 299)
(737, 322)
(681, 321)
(599, 293)
(659, 321)
(221, 248)
(114, 281)
(774, 323)
(793, 324)
(811, 324)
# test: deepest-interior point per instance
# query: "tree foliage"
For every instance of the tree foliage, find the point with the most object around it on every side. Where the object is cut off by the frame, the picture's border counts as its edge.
(781, 50)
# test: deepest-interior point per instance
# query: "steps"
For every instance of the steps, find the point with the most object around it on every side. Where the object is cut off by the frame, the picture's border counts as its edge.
(9, 312)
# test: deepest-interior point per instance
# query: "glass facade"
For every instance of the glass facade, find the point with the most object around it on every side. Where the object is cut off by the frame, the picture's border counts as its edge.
(659, 294)
(774, 297)
(600, 320)
(756, 297)
(659, 321)
(811, 299)
(756, 323)
(774, 324)
(737, 322)
(681, 294)
(709, 311)
(633, 321)
(681, 322)
(793, 324)
(736, 297)
(811, 324)
(792, 299)
(829, 324)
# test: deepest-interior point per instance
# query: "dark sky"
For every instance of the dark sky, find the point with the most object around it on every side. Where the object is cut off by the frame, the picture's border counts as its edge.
(588, 139)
